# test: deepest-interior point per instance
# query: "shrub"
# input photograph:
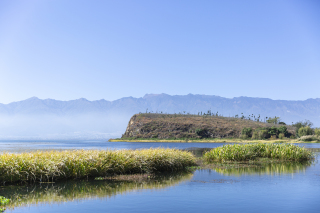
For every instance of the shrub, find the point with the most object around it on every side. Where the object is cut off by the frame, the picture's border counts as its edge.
(309, 138)
(273, 130)
(281, 136)
(237, 152)
(283, 130)
(274, 120)
(317, 131)
(255, 135)
(300, 124)
(273, 137)
(246, 132)
(3, 202)
(203, 133)
(263, 134)
(305, 131)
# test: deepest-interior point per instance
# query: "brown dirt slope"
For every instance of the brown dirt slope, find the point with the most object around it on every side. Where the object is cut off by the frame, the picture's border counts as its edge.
(175, 126)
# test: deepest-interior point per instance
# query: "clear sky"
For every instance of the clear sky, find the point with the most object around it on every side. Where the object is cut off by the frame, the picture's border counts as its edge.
(64, 49)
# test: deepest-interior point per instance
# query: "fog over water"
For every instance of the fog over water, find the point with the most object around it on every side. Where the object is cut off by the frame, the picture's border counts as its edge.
(81, 119)
(64, 127)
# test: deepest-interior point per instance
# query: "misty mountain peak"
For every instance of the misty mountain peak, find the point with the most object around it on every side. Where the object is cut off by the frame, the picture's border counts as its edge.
(83, 99)
(32, 98)
(146, 96)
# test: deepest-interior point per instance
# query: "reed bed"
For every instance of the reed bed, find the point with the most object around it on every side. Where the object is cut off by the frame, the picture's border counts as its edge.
(42, 166)
(247, 152)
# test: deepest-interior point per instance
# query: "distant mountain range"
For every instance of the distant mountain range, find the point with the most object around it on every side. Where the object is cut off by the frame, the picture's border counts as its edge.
(111, 117)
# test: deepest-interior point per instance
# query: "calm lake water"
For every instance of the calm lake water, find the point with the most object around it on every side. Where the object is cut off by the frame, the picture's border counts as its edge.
(22, 146)
(286, 187)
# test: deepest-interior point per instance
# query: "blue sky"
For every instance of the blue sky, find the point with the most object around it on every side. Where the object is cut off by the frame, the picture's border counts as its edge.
(64, 49)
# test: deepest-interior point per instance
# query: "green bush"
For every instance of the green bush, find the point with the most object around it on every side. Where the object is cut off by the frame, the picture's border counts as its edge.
(203, 133)
(273, 137)
(274, 120)
(263, 134)
(246, 132)
(3, 202)
(273, 130)
(317, 131)
(310, 138)
(303, 131)
(300, 124)
(281, 136)
(255, 135)
(283, 130)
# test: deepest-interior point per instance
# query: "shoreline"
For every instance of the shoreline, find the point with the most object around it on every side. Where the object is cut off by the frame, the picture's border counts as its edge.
(211, 141)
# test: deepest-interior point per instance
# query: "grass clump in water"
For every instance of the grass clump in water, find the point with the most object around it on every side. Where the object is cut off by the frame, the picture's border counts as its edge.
(247, 152)
(76, 164)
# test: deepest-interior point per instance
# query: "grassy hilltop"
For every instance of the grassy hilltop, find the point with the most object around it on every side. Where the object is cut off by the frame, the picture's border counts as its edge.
(157, 126)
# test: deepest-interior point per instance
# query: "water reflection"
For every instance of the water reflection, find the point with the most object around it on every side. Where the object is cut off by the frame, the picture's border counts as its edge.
(49, 193)
(261, 169)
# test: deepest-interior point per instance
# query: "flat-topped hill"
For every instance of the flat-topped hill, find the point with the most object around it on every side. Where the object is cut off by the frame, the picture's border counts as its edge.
(179, 126)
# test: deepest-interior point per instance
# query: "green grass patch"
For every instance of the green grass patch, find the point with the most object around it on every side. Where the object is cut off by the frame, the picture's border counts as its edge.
(247, 152)
(51, 166)
(3, 202)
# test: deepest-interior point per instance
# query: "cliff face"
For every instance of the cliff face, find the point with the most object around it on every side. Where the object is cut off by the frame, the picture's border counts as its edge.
(165, 126)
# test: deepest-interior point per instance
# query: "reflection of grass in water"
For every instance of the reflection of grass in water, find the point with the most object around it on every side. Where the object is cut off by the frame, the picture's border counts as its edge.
(238, 169)
(84, 190)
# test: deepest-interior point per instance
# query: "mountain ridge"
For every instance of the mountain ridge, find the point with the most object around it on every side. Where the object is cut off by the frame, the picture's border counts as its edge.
(101, 117)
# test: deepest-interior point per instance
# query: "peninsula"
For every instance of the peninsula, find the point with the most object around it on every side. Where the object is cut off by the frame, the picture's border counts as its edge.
(158, 127)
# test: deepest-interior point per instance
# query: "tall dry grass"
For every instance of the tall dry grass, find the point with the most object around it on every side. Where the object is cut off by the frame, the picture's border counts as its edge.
(236, 152)
(56, 165)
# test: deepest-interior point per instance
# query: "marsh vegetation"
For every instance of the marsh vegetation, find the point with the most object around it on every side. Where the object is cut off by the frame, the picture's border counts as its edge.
(50, 166)
(97, 174)
(258, 151)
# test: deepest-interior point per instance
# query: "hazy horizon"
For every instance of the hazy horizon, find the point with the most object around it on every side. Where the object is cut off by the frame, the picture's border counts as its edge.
(81, 119)
(154, 95)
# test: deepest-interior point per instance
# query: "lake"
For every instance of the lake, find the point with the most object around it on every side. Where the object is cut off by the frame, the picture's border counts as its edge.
(286, 187)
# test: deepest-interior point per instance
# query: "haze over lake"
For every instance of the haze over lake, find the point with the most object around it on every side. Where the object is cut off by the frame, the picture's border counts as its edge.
(82, 119)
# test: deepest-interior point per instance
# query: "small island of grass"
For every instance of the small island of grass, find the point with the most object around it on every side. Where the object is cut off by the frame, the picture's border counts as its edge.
(259, 151)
